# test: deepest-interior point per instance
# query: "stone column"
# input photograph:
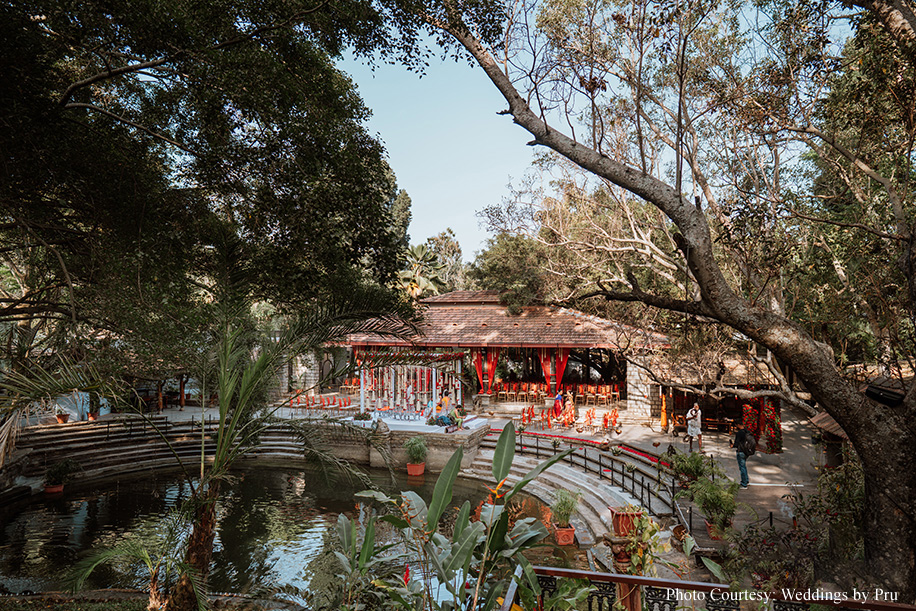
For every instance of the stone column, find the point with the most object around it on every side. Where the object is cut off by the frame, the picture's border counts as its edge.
(639, 401)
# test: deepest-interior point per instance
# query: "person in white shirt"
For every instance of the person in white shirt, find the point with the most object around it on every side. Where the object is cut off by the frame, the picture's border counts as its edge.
(694, 421)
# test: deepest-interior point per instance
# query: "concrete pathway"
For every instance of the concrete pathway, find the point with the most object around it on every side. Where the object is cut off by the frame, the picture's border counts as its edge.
(772, 476)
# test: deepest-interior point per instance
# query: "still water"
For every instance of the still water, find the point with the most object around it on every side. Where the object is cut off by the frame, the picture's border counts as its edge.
(272, 525)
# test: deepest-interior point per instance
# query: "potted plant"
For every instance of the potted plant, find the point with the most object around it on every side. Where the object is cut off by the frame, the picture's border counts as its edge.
(624, 519)
(688, 467)
(564, 506)
(59, 474)
(95, 404)
(716, 499)
(62, 414)
(416, 450)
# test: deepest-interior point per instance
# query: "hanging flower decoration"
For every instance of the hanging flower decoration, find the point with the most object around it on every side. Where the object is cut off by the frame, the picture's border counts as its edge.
(772, 426)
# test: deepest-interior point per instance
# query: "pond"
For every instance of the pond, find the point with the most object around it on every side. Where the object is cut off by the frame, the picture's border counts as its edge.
(273, 524)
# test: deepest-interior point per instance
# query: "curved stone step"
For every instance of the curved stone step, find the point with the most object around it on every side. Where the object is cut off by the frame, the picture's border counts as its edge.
(597, 494)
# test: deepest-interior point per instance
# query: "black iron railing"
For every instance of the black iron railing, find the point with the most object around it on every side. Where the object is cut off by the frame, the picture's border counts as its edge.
(650, 485)
(652, 594)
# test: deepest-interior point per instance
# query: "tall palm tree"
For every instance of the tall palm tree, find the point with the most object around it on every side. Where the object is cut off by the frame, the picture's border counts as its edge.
(242, 372)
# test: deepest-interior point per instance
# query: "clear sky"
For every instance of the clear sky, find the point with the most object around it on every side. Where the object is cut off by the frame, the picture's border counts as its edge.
(449, 149)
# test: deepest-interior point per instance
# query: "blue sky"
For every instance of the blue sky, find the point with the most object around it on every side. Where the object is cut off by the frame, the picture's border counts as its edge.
(450, 150)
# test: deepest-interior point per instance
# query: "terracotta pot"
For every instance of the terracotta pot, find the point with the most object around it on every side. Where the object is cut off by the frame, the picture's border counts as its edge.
(55, 489)
(93, 416)
(62, 418)
(416, 469)
(565, 535)
(624, 521)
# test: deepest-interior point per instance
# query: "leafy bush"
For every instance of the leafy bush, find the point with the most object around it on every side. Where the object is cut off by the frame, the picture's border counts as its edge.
(437, 568)
(564, 505)
(61, 472)
(716, 499)
(416, 450)
(690, 466)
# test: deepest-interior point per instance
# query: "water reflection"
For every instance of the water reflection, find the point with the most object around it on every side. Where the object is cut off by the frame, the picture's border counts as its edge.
(272, 525)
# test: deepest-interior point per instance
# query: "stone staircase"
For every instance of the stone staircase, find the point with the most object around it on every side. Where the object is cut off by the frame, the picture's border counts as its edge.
(592, 519)
(114, 447)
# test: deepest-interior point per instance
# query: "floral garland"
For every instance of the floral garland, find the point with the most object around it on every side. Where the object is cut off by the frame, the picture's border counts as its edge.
(772, 426)
(771, 429)
(751, 419)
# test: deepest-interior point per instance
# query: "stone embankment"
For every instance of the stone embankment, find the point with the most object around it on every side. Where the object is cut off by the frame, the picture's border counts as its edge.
(131, 445)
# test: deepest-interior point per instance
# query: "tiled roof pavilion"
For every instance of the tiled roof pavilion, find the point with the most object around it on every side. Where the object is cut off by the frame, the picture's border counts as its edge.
(473, 319)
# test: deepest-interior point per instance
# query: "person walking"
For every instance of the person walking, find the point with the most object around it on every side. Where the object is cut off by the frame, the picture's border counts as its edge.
(694, 422)
(745, 445)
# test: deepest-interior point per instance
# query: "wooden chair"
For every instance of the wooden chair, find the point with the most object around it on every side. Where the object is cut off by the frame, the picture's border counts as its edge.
(512, 393)
(591, 396)
(615, 393)
(502, 392)
(601, 395)
(534, 393)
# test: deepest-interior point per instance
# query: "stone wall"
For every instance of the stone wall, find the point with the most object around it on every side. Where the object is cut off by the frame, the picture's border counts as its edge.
(639, 391)
(441, 446)
(111, 448)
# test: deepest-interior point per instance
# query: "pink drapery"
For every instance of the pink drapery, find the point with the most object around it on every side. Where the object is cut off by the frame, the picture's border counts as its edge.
(492, 358)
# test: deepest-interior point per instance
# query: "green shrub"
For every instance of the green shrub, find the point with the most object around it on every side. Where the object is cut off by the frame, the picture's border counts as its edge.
(416, 450)
(716, 499)
(61, 472)
(564, 506)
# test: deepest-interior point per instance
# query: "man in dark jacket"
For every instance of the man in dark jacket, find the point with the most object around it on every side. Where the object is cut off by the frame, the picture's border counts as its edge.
(740, 443)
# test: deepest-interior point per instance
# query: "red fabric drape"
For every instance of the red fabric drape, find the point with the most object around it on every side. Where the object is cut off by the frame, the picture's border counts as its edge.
(562, 357)
(492, 358)
(478, 365)
(545, 354)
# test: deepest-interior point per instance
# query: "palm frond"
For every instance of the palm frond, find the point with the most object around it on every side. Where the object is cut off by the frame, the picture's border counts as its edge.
(20, 390)
(316, 436)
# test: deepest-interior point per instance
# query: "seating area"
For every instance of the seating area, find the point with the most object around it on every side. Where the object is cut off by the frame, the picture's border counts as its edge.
(536, 392)
(588, 421)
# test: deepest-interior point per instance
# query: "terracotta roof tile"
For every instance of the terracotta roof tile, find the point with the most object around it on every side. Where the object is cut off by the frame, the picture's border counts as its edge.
(475, 318)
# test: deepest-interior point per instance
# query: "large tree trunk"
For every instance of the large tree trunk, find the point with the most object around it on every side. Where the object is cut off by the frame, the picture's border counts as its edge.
(883, 437)
(890, 529)
(200, 553)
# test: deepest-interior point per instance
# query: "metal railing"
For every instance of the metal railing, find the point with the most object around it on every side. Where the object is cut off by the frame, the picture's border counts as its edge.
(652, 594)
(651, 489)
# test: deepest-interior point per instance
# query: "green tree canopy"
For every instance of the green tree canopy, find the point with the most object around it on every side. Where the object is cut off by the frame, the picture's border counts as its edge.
(135, 135)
